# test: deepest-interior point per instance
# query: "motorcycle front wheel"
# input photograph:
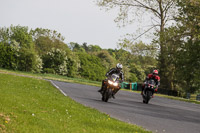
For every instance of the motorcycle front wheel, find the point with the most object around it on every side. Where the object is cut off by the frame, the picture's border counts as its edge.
(106, 95)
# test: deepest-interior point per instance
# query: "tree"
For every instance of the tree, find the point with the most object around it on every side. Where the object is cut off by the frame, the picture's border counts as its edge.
(19, 34)
(73, 65)
(161, 11)
(188, 34)
(27, 60)
(75, 47)
(85, 46)
(46, 39)
(56, 59)
(107, 60)
(8, 57)
(91, 67)
(94, 48)
(17, 48)
(51, 34)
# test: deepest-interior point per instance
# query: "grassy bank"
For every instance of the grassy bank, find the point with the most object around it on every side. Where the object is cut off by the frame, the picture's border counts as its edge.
(34, 105)
(52, 77)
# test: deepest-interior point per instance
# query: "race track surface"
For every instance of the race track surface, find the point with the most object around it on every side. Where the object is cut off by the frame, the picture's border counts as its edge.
(161, 115)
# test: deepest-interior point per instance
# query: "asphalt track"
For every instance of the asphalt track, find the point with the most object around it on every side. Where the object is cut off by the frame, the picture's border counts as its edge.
(161, 115)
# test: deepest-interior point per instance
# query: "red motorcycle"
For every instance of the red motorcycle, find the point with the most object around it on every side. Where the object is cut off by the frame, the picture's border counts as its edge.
(148, 91)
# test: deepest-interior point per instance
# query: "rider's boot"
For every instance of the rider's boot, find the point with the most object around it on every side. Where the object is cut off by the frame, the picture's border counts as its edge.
(114, 92)
(113, 95)
(101, 90)
(102, 87)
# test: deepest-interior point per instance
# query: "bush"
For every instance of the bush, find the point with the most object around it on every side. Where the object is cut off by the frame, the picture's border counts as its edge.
(49, 70)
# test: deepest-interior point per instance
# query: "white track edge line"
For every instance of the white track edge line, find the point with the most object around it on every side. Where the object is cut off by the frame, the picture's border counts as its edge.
(58, 88)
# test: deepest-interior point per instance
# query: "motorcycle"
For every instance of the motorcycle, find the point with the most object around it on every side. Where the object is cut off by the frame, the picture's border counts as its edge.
(148, 91)
(111, 85)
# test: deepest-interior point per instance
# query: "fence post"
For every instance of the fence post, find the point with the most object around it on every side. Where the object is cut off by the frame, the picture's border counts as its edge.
(198, 97)
(188, 96)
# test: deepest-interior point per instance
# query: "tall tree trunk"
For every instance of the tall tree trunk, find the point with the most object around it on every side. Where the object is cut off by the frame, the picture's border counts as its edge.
(165, 83)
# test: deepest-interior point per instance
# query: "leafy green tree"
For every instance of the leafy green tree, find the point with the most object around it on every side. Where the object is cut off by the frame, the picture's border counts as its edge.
(137, 71)
(75, 47)
(187, 55)
(46, 39)
(27, 60)
(8, 57)
(107, 60)
(94, 48)
(21, 35)
(56, 59)
(73, 65)
(17, 48)
(38, 65)
(112, 52)
(51, 34)
(85, 46)
(91, 67)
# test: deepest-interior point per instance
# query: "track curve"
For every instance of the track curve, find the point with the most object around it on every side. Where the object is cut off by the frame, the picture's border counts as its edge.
(161, 115)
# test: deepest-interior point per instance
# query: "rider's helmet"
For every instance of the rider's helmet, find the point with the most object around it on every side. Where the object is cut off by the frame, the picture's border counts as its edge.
(155, 72)
(119, 66)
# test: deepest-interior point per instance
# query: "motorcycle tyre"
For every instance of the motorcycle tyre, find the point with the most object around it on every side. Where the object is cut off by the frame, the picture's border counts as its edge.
(106, 95)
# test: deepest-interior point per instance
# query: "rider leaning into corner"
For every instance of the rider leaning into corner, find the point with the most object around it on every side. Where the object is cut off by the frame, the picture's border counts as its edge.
(118, 71)
(155, 77)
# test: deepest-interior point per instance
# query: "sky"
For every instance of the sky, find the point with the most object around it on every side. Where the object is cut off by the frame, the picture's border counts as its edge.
(77, 20)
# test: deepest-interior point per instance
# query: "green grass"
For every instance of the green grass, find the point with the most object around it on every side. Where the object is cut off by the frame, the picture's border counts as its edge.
(30, 105)
(53, 77)
(179, 98)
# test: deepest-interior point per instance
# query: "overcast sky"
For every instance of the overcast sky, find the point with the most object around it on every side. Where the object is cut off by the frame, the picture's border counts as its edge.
(77, 20)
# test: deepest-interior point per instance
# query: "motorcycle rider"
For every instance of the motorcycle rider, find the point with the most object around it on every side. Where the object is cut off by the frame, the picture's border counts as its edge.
(118, 71)
(155, 77)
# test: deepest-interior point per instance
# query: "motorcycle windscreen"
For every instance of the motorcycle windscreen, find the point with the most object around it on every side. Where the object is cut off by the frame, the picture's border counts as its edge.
(114, 77)
(151, 81)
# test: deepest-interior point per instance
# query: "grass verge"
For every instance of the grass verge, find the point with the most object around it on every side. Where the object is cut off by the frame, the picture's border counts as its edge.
(52, 77)
(170, 97)
(34, 105)
(179, 98)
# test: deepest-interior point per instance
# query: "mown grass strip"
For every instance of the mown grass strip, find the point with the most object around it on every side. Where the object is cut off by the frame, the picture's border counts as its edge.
(52, 77)
(169, 97)
(33, 105)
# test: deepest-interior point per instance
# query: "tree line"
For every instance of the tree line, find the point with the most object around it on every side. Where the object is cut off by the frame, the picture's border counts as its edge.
(44, 51)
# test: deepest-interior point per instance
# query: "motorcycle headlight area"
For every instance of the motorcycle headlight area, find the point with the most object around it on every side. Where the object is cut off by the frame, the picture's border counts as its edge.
(115, 84)
(112, 83)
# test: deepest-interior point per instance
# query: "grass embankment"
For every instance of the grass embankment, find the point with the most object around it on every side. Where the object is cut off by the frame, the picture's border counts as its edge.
(34, 105)
(52, 77)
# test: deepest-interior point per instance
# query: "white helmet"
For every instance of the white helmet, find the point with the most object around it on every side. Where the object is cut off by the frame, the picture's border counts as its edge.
(119, 66)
